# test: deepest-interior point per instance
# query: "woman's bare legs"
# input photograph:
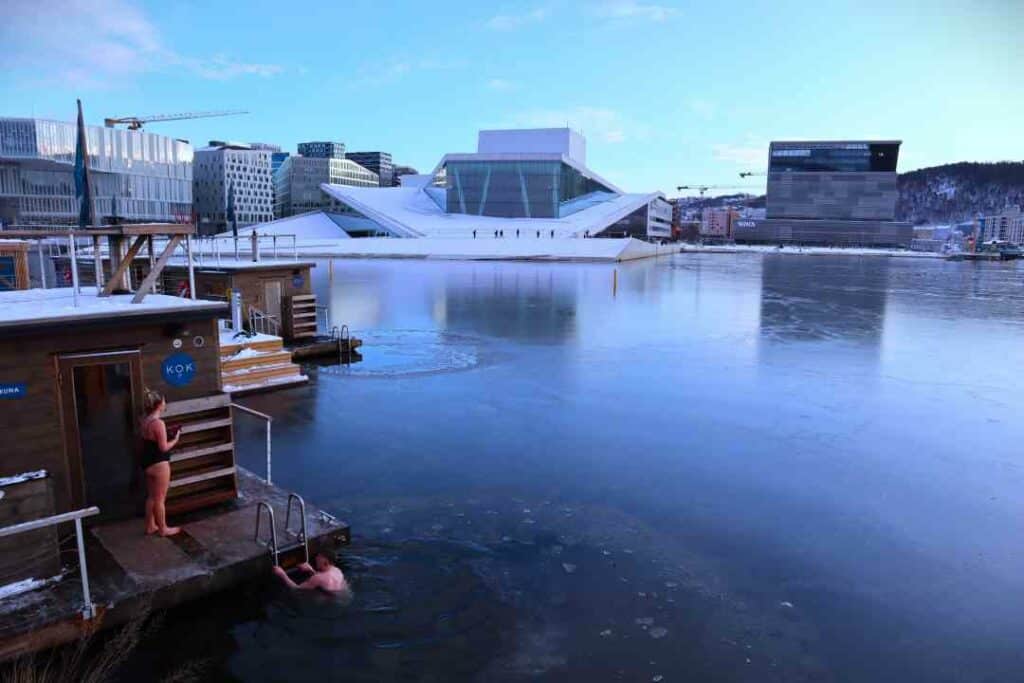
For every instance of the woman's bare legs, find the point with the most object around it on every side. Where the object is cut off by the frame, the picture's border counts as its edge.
(161, 473)
(152, 485)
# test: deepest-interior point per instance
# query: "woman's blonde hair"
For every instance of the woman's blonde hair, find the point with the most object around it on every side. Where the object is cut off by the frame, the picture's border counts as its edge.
(151, 401)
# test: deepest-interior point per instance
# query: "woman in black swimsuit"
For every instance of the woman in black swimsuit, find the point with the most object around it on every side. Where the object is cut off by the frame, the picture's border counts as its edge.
(156, 462)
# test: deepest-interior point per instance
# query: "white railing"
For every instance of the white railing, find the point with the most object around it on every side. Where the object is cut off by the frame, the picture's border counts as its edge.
(266, 418)
(263, 323)
(88, 609)
(214, 249)
(323, 318)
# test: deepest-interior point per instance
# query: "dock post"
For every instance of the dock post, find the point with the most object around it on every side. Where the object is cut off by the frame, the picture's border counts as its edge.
(269, 480)
(89, 610)
(191, 270)
(97, 261)
(74, 265)
(42, 265)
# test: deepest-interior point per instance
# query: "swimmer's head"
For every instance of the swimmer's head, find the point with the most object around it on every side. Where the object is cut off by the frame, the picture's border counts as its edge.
(324, 560)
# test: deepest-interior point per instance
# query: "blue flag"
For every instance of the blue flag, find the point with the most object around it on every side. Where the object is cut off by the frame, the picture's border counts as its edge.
(83, 182)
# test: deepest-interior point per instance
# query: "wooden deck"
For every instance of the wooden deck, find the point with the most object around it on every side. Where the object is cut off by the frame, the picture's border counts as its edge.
(129, 570)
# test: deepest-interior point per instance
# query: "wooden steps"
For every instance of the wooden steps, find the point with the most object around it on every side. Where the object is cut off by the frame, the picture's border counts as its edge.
(259, 363)
(203, 463)
(298, 312)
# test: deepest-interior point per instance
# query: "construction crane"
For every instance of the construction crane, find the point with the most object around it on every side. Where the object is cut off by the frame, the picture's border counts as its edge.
(747, 174)
(704, 188)
(136, 122)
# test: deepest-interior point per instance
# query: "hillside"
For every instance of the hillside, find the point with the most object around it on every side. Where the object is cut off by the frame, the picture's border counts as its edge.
(939, 195)
(953, 193)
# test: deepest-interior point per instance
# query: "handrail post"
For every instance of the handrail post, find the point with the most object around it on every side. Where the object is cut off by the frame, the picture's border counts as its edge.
(89, 610)
(269, 480)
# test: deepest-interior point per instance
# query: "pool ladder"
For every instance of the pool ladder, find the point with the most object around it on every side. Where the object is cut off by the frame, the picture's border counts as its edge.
(300, 535)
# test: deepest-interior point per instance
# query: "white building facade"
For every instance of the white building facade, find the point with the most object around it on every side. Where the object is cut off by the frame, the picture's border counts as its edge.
(519, 183)
(298, 181)
(236, 171)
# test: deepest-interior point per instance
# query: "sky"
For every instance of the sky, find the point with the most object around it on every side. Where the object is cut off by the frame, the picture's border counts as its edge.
(666, 93)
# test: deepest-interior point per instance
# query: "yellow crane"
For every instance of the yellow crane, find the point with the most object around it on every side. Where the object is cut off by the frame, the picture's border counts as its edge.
(136, 122)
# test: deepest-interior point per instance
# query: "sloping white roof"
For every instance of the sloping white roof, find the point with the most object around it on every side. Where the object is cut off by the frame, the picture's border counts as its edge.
(314, 224)
(409, 212)
(33, 306)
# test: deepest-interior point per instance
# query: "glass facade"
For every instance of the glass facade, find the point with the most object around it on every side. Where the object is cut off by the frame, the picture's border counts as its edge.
(150, 175)
(517, 189)
(297, 182)
(842, 157)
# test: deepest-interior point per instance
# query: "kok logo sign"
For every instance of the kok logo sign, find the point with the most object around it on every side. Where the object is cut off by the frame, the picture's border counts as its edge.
(178, 369)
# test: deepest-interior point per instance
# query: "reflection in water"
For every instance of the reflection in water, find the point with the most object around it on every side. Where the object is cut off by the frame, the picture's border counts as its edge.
(731, 468)
(825, 298)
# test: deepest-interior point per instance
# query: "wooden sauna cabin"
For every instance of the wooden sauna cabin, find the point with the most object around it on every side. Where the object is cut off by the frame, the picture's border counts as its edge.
(13, 265)
(73, 370)
(277, 288)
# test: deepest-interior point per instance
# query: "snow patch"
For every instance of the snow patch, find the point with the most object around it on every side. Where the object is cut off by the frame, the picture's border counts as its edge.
(26, 585)
(25, 476)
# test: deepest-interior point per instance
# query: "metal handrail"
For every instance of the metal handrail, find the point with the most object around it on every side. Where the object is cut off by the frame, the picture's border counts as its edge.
(302, 529)
(262, 322)
(89, 609)
(272, 543)
(268, 419)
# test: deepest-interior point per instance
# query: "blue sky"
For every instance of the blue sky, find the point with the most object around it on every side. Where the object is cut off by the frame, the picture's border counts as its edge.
(666, 93)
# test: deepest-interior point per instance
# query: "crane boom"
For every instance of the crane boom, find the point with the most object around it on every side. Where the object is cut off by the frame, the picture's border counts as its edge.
(136, 122)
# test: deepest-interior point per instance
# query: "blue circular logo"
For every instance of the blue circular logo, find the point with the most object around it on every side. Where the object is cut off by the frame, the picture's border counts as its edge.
(178, 369)
(298, 281)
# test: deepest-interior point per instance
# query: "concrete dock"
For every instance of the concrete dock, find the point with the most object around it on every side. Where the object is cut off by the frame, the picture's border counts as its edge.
(129, 571)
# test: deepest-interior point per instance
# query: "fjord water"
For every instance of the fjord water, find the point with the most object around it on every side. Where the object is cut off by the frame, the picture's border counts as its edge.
(703, 467)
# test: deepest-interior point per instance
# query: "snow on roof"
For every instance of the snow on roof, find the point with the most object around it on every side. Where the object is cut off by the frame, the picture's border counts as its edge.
(32, 306)
(24, 476)
(313, 224)
(409, 211)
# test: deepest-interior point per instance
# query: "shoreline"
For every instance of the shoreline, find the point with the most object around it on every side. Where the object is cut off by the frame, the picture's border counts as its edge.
(815, 251)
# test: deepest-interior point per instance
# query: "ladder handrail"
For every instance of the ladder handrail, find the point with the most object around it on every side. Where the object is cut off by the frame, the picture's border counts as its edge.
(303, 538)
(88, 608)
(272, 543)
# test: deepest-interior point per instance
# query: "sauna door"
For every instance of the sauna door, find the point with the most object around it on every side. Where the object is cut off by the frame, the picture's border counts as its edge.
(272, 298)
(100, 403)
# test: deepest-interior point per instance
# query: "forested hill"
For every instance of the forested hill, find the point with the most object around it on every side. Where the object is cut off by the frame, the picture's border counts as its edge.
(952, 193)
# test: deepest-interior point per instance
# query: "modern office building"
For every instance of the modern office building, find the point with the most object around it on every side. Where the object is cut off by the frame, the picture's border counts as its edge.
(298, 182)
(717, 223)
(1004, 227)
(322, 150)
(837, 193)
(378, 162)
(529, 183)
(138, 177)
(226, 170)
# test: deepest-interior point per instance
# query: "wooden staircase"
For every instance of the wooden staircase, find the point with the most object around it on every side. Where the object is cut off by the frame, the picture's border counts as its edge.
(298, 313)
(261, 362)
(203, 463)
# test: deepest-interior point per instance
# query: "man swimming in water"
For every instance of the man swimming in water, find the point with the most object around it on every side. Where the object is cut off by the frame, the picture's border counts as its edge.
(325, 576)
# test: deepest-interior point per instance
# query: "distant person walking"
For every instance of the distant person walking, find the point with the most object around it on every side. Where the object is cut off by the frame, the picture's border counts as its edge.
(474, 233)
(156, 462)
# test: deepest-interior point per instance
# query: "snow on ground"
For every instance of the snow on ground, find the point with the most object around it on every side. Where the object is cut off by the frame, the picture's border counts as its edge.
(770, 249)
(269, 382)
(508, 248)
(227, 338)
(38, 305)
(19, 587)
(24, 476)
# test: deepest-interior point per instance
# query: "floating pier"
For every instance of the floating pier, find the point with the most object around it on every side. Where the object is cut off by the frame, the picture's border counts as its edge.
(129, 571)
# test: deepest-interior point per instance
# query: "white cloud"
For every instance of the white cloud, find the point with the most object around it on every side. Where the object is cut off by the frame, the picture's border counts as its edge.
(373, 73)
(509, 22)
(705, 109)
(501, 85)
(626, 9)
(605, 125)
(100, 42)
(751, 156)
